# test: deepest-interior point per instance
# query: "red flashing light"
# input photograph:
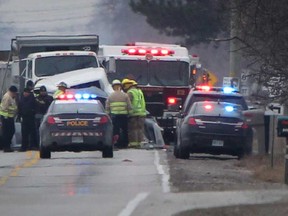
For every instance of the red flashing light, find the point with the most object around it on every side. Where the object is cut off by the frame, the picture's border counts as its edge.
(154, 51)
(70, 96)
(62, 96)
(51, 120)
(208, 107)
(205, 88)
(144, 51)
(164, 52)
(172, 100)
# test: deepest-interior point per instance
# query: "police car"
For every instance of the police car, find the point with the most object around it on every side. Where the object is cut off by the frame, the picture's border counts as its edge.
(76, 122)
(216, 94)
(214, 128)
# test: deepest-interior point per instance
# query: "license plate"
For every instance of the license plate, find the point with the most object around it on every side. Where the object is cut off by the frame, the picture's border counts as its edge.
(218, 143)
(77, 139)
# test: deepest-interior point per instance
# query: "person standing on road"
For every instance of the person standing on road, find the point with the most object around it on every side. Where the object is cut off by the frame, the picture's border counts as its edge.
(8, 110)
(118, 105)
(62, 86)
(26, 107)
(138, 113)
(43, 101)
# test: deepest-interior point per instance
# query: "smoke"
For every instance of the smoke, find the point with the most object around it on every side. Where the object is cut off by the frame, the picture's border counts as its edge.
(112, 20)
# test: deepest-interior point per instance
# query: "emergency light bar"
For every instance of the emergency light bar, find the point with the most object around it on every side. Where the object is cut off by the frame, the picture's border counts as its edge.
(225, 90)
(144, 51)
(84, 96)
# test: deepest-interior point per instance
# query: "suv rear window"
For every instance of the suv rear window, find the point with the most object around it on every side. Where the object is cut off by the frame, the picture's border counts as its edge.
(215, 109)
(214, 97)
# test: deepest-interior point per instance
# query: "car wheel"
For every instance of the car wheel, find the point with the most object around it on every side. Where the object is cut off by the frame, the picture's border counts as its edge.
(183, 153)
(176, 151)
(240, 154)
(107, 152)
(45, 153)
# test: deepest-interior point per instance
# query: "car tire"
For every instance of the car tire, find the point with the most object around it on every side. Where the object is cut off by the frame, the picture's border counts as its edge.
(176, 151)
(240, 154)
(183, 152)
(107, 152)
(45, 153)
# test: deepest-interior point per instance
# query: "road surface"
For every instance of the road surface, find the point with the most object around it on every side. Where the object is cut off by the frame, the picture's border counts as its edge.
(134, 182)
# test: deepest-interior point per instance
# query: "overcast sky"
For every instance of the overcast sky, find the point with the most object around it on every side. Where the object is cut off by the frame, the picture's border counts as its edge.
(112, 20)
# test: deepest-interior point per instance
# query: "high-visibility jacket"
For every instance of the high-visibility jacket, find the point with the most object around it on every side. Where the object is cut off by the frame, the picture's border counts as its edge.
(118, 103)
(138, 102)
(57, 93)
(8, 107)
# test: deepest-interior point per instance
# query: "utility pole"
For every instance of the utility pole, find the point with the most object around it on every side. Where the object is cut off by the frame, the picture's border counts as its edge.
(235, 54)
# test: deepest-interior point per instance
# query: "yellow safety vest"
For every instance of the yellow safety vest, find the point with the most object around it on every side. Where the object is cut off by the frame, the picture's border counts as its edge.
(119, 108)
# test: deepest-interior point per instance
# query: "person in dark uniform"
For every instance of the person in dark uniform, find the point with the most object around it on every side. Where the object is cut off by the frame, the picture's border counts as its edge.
(26, 107)
(8, 110)
(43, 101)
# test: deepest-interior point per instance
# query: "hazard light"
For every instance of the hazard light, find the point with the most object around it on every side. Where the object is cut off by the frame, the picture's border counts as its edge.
(144, 51)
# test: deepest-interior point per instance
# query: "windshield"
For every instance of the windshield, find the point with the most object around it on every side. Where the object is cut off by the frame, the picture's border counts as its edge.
(52, 65)
(159, 73)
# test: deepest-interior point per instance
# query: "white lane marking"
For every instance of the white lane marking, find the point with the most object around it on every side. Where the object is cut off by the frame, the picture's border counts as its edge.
(132, 205)
(161, 171)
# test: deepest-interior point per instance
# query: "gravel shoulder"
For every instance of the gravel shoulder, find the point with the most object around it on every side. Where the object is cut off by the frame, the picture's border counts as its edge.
(224, 173)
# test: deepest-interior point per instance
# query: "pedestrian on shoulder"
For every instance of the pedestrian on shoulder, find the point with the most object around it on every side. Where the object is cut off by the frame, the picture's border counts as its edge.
(118, 105)
(27, 109)
(8, 111)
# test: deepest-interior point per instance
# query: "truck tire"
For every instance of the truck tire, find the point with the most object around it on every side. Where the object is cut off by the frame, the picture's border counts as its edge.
(45, 153)
(107, 152)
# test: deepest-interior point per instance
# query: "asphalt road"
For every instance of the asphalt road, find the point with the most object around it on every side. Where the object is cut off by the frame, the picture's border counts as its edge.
(134, 182)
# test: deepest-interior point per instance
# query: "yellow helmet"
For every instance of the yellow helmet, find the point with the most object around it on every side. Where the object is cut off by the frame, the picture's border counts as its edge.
(134, 82)
(126, 81)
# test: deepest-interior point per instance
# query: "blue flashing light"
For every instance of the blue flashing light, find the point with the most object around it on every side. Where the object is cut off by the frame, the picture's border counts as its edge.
(228, 89)
(78, 96)
(229, 108)
(86, 96)
(93, 96)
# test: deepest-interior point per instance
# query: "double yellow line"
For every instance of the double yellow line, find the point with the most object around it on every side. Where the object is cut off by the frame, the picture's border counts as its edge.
(32, 157)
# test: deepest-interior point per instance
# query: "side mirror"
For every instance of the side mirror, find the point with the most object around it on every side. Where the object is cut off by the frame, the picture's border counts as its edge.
(112, 65)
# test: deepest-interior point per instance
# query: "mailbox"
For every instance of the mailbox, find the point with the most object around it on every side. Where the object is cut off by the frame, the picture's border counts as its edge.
(282, 126)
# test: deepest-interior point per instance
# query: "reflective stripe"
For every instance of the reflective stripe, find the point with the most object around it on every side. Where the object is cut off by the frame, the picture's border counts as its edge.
(138, 103)
(10, 113)
(118, 108)
(57, 93)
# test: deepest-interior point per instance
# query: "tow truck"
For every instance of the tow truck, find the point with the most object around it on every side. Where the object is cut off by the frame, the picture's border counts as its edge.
(164, 72)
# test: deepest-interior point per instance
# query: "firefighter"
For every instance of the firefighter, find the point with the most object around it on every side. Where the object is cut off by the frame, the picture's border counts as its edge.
(62, 86)
(27, 109)
(43, 101)
(8, 110)
(138, 113)
(118, 105)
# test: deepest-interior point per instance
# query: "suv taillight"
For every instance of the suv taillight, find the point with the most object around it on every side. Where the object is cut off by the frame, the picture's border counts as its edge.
(101, 120)
(192, 121)
(51, 120)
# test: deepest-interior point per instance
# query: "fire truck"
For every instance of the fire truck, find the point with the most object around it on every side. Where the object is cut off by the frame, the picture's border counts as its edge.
(164, 72)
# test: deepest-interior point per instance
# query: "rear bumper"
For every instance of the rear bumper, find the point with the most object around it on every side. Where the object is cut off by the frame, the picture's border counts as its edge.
(209, 143)
(77, 141)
